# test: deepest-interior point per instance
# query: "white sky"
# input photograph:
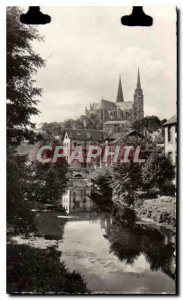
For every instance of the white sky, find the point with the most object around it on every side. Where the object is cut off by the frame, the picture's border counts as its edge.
(86, 49)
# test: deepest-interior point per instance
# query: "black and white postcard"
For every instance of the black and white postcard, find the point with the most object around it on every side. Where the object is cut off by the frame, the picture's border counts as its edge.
(91, 150)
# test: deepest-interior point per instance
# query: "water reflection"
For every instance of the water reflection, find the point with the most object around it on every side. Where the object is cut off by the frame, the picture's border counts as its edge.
(130, 242)
(78, 198)
(111, 256)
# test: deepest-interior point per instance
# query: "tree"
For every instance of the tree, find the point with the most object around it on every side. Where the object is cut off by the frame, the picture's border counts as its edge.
(91, 121)
(149, 123)
(22, 98)
(40, 271)
(22, 65)
(126, 181)
(101, 188)
(84, 122)
(49, 181)
(69, 123)
(51, 130)
(19, 216)
(156, 171)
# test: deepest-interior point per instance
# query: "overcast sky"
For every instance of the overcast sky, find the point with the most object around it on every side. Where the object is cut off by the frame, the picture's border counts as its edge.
(87, 48)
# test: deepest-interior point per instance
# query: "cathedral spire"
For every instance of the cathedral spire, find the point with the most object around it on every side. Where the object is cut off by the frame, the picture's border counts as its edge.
(120, 92)
(138, 80)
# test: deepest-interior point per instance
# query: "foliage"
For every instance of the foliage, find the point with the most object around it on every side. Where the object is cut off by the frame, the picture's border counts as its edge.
(19, 216)
(129, 242)
(22, 98)
(168, 189)
(161, 210)
(49, 181)
(156, 171)
(150, 123)
(126, 180)
(91, 121)
(102, 190)
(22, 65)
(40, 271)
(51, 130)
(124, 214)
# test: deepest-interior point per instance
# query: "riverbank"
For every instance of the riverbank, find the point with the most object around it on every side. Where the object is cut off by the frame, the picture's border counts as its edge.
(161, 210)
(39, 271)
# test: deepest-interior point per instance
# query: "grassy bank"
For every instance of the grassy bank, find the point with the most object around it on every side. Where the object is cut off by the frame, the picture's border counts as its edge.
(161, 210)
(39, 271)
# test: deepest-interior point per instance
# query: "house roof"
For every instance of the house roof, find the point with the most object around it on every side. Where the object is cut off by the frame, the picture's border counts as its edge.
(83, 134)
(171, 121)
(124, 135)
(113, 136)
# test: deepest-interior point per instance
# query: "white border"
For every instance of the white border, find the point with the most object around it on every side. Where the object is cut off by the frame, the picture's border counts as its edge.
(3, 4)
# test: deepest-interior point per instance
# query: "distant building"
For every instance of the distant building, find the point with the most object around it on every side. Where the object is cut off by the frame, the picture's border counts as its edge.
(130, 137)
(79, 137)
(171, 138)
(120, 110)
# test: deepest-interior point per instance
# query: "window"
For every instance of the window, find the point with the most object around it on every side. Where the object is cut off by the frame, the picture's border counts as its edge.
(169, 134)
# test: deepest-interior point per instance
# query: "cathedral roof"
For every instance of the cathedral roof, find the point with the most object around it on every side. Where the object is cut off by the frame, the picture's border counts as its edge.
(105, 104)
(125, 105)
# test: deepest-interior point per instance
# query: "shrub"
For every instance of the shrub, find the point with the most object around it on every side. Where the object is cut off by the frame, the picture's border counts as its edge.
(39, 271)
(156, 171)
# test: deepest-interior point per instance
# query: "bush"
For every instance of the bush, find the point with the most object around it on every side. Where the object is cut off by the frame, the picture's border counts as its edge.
(39, 271)
(101, 187)
(126, 181)
(156, 171)
(168, 189)
(125, 214)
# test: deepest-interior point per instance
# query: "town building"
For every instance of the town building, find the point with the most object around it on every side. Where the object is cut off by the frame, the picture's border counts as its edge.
(121, 111)
(124, 138)
(171, 138)
(73, 138)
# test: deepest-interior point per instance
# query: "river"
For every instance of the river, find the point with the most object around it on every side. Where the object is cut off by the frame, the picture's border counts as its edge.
(112, 257)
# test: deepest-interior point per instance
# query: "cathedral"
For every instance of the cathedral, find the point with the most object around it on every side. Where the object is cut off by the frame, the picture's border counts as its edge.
(120, 111)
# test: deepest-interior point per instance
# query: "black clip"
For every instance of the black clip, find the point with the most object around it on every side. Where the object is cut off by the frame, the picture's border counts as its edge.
(34, 17)
(137, 18)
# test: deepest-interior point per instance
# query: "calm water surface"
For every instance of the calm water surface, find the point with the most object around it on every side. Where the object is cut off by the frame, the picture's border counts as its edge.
(117, 259)
(111, 257)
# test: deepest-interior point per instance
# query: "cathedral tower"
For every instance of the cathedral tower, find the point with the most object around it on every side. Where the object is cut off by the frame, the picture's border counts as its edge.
(138, 101)
(120, 92)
